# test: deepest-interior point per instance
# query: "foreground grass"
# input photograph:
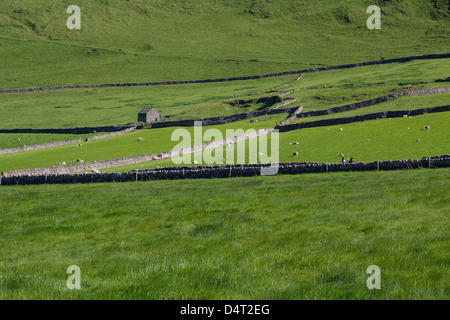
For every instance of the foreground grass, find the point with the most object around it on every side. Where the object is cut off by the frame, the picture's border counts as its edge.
(282, 237)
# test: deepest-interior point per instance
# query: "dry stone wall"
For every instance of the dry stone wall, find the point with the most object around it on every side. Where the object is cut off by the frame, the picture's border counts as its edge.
(207, 172)
(103, 164)
(62, 143)
(337, 67)
(292, 117)
(81, 130)
(39, 146)
(365, 117)
(110, 134)
(285, 103)
(221, 120)
(370, 102)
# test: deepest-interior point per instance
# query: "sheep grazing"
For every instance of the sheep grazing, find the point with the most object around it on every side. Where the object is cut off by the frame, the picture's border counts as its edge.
(18, 140)
(295, 154)
(418, 140)
(340, 129)
(426, 128)
(139, 139)
(63, 163)
(341, 155)
(195, 162)
(295, 143)
(405, 116)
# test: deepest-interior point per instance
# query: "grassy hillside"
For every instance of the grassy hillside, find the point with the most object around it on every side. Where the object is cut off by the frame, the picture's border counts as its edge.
(248, 238)
(117, 106)
(136, 41)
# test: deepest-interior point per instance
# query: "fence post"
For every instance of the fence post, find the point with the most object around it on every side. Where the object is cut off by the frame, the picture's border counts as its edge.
(378, 165)
(429, 162)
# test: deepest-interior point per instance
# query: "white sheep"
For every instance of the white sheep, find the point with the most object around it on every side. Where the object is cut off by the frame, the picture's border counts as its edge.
(295, 154)
(18, 140)
(340, 129)
(427, 127)
(418, 140)
(139, 139)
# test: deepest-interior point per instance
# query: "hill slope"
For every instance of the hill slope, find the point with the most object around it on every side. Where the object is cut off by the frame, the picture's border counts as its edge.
(123, 41)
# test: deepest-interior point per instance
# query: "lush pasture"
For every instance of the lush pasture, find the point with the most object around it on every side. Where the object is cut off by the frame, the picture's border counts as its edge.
(154, 140)
(114, 106)
(10, 140)
(390, 139)
(139, 41)
(403, 103)
(281, 237)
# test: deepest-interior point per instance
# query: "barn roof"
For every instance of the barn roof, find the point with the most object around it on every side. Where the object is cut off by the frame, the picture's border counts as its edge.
(146, 110)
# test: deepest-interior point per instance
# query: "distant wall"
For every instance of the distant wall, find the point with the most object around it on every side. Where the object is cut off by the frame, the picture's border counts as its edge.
(207, 172)
(111, 134)
(62, 143)
(292, 117)
(337, 67)
(221, 120)
(370, 102)
(103, 164)
(39, 146)
(80, 130)
(285, 103)
(365, 117)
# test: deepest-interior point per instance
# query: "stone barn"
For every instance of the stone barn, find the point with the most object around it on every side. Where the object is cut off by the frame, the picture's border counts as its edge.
(149, 115)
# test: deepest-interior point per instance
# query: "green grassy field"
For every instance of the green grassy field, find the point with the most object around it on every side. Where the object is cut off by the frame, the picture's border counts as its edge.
(389, 140)
(403, 103)
(117, 106)
(281, 237)
(152, 40)
(10, 140)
